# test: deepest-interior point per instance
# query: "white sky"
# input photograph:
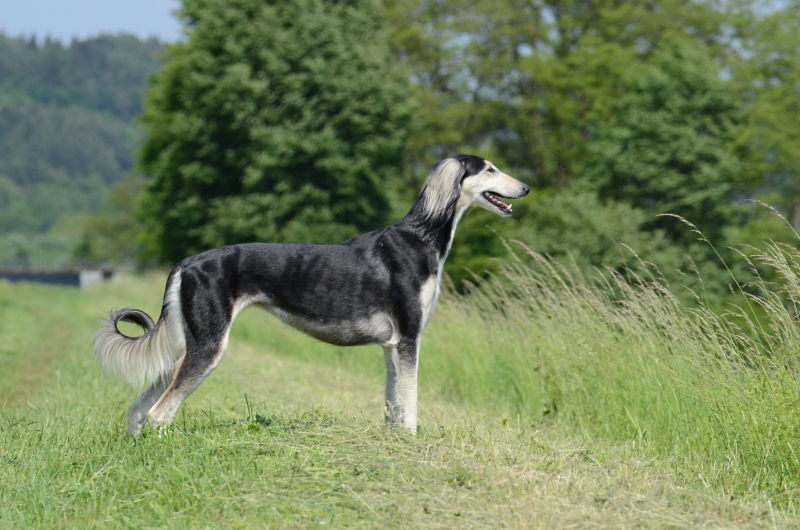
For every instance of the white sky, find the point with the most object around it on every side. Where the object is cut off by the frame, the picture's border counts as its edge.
(68, 19)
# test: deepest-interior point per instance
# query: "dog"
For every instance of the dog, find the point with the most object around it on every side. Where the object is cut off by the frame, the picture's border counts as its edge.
(376, 288)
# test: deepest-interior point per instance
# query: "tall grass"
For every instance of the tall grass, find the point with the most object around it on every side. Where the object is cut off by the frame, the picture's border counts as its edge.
(621, 359)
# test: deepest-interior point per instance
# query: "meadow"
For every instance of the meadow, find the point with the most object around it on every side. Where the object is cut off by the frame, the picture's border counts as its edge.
(547, 398)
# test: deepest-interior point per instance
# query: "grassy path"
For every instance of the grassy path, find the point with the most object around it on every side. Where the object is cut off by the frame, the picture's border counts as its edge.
(276, 438)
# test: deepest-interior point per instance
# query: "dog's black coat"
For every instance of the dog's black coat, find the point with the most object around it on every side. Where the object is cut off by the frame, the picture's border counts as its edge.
(366, 290)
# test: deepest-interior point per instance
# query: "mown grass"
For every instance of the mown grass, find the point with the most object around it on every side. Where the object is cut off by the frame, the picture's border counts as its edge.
(546, 399)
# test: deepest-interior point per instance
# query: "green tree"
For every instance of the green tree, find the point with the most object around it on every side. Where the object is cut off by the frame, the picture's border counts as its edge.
(273, 121)
(107, 73)
(61, 161)
(768, 78)
(669, 145)
(571, 225)
(537, 86)
(67, 135)
(112, 238)
(529, 81)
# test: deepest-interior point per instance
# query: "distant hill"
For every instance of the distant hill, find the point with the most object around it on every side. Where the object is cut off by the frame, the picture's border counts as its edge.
(67, 134)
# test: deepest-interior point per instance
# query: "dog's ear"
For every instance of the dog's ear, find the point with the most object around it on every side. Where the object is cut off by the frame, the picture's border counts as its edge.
(471, 165)
(464, 173)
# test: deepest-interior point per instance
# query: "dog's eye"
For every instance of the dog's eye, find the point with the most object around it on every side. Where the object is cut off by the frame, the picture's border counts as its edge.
(491, 170)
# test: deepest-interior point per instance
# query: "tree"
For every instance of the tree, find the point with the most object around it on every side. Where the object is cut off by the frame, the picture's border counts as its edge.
(528, 81)
(67, 135)
(61, 160)
(107, 73)
(669, 144)
(574, 226)
(112, 237)
(275, 120)
(537, 87)
(768, 79)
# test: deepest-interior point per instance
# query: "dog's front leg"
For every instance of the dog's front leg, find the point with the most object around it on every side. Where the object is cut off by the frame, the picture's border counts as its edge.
(391, 403)
(406, 376)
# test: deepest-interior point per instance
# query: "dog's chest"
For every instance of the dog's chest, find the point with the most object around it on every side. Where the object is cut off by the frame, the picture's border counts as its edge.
(428, 294)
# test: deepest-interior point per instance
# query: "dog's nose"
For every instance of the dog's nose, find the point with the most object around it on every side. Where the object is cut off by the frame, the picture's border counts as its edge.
(525, 189)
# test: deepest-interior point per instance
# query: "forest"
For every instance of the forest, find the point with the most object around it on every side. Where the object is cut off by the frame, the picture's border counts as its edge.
(68, 134)
(652, 133)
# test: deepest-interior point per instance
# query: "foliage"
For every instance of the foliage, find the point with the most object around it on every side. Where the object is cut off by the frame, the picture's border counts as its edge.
(767, 81)
(674, 106)
(112, 238)
(66, 136)
(105, 74)
(531, 80)
(56, 162)
(274, 121)
(668, 144)
(627, 100)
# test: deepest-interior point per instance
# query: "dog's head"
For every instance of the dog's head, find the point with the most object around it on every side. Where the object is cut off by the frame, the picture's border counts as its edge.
(482, 184)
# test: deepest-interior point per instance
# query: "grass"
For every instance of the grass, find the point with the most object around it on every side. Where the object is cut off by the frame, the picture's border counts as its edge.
(544, 401)
(719, 394)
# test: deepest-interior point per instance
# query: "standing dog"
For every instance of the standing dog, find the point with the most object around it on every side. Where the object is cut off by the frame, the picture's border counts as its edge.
(377, 288)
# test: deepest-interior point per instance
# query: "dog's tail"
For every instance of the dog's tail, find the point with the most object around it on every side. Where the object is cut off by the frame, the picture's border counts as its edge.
(152, 355)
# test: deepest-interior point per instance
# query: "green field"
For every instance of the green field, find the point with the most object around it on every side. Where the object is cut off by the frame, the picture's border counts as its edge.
(544, 401)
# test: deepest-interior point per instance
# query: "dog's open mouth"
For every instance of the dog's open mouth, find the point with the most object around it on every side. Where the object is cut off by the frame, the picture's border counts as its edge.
(497, 203)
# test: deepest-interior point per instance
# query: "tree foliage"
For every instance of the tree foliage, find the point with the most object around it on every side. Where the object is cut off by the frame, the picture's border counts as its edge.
(668, 143)
(637, 102)
(66, 137)
(530, 80)
(274, 121)
(290, 121)
(111, 238)
(768, 82)
(106, 74)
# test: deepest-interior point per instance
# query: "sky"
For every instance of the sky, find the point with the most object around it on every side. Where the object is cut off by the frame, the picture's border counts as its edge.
(64, 20)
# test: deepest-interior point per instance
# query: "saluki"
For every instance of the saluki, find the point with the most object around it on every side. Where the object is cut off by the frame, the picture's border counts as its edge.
(377, 288)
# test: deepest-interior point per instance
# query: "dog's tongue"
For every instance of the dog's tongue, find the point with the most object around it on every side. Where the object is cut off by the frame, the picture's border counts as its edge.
(498, 202)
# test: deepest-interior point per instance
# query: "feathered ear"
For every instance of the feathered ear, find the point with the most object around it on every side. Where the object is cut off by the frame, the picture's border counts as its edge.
(463, 172)
(443, 186)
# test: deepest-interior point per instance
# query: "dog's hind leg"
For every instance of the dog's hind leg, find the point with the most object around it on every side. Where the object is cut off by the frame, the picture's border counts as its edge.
(199, 361)
(137, 413)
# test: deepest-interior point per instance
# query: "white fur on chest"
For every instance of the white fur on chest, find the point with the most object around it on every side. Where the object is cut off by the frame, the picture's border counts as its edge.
(428, 295)
(429, 292)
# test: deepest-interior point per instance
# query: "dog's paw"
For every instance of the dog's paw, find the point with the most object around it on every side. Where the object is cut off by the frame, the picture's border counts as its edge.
(410, 428)
(162, 431)
(136, 423)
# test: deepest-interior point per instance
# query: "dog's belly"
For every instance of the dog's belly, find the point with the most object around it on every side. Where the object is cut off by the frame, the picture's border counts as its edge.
(375, 329)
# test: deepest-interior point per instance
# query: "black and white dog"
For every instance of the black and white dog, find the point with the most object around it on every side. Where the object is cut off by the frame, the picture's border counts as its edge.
(377, 288)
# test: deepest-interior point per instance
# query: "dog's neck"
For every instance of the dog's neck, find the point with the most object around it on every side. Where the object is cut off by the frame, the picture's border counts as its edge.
(436, 228)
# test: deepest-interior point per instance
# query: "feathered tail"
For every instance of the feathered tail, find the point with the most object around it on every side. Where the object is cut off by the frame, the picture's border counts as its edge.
(152, 355)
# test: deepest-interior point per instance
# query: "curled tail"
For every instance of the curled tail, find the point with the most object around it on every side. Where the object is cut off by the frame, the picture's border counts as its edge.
(152, 355)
